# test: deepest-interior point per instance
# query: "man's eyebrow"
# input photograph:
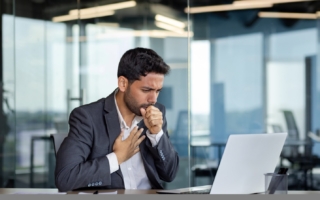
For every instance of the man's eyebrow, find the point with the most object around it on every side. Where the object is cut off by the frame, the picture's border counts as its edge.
(149, 88)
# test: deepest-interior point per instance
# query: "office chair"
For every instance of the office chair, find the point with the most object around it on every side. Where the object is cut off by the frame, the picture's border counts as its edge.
(179, 138)
(57, 139)
(300, 162)
(276, 128)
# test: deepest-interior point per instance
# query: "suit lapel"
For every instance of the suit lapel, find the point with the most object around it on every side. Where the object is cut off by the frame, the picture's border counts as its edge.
(147, 158)
(112, 123)
(113, 131)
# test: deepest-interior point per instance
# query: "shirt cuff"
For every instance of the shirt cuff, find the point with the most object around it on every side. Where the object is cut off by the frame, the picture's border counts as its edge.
(113, 162)
(154, 138)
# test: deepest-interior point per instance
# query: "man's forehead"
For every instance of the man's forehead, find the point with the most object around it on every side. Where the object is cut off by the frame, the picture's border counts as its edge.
(153, 82)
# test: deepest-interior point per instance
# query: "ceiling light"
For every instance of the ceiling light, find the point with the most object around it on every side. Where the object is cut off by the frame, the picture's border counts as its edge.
(115, 6)
(273, 1)
(107, 24)
(250, 3)
(240, 5)
(93, 12)
(288, 15)
(228, 7)
(64, 18)
(142, 33)
(75, 17)
(170, 21)
(168, 27)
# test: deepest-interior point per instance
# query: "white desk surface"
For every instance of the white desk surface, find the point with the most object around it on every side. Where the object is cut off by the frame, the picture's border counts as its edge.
(55, 191)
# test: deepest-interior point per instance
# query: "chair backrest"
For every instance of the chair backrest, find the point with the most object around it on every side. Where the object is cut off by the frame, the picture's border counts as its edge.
(182, 125)
(276, 128)
(293, 132)
(57, 139)
(179, 138)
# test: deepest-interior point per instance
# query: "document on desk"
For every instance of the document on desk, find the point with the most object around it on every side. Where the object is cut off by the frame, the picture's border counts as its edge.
(98, 192)
(38, 193)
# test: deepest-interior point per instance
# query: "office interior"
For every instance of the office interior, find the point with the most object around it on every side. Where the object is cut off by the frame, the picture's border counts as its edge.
(237, 67)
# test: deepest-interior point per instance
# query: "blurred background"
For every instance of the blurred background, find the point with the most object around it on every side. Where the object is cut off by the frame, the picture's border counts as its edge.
(237, 67)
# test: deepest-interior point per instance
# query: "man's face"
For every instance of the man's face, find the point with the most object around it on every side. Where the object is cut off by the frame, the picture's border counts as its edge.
(143, 92)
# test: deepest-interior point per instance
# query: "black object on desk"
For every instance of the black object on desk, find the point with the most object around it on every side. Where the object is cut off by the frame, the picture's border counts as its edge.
(276, 180)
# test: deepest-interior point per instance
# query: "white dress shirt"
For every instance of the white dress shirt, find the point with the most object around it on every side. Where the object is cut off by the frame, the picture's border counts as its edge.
(134, 174)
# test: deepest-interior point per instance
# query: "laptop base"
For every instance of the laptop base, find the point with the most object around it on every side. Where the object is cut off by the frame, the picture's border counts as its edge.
(190, 190)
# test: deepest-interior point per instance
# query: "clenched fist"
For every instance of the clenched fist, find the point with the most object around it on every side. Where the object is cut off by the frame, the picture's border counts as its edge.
(152, 118)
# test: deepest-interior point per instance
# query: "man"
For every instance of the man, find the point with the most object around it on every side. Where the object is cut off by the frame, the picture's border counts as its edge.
(121, 142)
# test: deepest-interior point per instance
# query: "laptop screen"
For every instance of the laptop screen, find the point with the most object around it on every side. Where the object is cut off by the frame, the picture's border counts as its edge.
(245, 160)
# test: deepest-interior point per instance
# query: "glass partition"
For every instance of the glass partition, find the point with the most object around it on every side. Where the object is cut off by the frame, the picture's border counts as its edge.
(58, 55)
(236, 68)
(7, 98)
(263, 78)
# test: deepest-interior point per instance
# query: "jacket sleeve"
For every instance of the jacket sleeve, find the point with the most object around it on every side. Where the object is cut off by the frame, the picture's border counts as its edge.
(73, 169)
(165, 157)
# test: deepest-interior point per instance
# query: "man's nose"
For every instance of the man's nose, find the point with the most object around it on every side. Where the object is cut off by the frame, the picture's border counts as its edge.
(152, 98)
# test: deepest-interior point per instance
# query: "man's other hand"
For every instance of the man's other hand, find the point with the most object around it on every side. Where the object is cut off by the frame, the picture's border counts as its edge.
(125, 149)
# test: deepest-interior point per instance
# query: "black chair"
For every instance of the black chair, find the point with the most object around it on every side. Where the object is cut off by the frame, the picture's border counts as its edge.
(276, 128)
(57, 139)
(179, 138)
(301, 163)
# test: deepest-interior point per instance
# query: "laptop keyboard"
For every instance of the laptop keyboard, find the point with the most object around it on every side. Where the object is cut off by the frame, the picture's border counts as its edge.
(205, 191)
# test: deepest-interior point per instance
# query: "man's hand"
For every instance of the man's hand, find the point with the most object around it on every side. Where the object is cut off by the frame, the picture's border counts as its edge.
(127, 148)
(152, 117)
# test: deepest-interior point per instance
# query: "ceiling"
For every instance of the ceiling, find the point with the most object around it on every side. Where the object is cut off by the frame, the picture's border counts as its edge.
(145, 9)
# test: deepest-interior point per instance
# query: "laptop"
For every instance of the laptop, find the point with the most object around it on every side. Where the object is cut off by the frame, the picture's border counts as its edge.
(245, 160)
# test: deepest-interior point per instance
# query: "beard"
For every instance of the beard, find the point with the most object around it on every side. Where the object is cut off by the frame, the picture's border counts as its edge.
(132, 104)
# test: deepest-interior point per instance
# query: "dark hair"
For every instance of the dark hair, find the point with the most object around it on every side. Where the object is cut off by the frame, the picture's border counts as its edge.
(139, 62)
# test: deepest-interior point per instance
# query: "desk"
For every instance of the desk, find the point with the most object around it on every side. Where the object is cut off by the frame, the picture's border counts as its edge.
(29, 190)
(55, 191)
(120, 191)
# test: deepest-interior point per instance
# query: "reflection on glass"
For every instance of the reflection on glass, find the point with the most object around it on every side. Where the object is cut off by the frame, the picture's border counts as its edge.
(282, 88)
(238, 68)
(200, 89)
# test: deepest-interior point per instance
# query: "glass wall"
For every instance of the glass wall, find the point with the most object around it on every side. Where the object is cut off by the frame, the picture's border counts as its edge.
(62, 54)
(7, 100)
(263, 78)
(233, 71)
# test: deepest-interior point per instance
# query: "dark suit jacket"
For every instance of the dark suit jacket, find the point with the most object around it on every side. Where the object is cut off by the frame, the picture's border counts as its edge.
(81, 160)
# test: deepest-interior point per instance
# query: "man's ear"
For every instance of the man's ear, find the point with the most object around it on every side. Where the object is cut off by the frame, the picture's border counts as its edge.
(122, 83)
